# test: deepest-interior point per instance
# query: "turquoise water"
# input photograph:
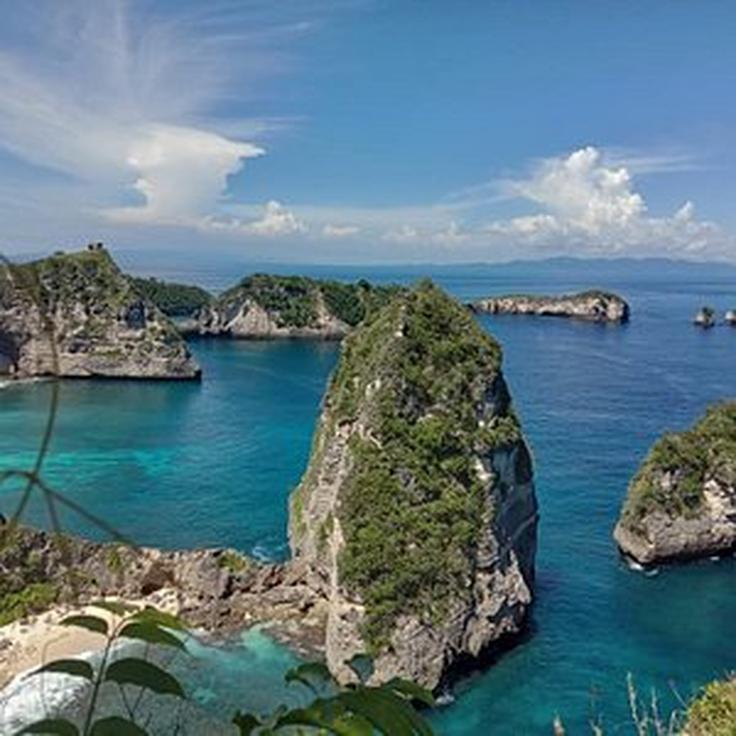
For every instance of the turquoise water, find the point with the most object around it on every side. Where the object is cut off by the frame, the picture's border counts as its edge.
(181, 465)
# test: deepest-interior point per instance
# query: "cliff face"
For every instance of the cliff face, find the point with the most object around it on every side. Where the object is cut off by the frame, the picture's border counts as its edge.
(417, 516)
(595, 306)
(99, 324)
(266, 307)
(682, 502)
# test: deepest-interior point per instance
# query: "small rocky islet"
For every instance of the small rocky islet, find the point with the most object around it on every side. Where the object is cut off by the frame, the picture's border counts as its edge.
(592, 305)
(681, 504)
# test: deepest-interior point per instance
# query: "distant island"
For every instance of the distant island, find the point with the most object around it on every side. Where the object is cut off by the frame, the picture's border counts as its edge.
(77, 315)
(592, 305)
(263, 306)
(682, 502)
(174, 300)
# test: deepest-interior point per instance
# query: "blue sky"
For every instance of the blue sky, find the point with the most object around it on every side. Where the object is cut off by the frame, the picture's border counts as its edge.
(370, 131)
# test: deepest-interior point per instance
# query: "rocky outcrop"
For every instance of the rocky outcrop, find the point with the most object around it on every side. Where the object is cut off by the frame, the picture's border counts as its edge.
(267, 307)
(706, 318)
(682, 502)
(416, 518)
(77, 315)
(594, 306)
(218, 590)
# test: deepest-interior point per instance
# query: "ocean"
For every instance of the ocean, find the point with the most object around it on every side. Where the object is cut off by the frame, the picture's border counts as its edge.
(181, 465)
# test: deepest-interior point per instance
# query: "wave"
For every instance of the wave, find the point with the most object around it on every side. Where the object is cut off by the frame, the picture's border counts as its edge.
(28, 699)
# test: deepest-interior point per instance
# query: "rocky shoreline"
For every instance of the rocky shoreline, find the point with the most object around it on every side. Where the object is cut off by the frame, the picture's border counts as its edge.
(592, 306)
(217, 590)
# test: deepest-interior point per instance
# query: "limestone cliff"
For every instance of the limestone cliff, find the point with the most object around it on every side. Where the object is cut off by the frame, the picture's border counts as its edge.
(265, 307)
(77, 315)
(594, 306)
(417, 516)
(682, 502)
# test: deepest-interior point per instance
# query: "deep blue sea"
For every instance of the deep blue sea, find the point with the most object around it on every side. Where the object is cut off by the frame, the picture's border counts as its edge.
(178, 465)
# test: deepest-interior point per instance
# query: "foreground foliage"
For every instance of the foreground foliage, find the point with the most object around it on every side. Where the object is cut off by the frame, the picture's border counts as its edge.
(357, 710)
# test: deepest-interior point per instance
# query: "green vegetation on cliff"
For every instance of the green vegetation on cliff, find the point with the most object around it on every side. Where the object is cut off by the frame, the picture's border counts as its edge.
(687, 459)
(295, 300)
(174, 300)
(713, 713)
(417, 376)
(66, 277)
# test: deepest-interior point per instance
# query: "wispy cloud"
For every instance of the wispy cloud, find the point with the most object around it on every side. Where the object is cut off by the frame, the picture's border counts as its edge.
(125, 100)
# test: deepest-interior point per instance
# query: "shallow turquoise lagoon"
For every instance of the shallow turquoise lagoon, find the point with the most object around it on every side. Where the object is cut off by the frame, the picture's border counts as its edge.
(212, 464)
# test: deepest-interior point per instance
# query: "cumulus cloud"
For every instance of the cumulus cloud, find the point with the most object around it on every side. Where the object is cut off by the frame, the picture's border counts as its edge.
(181, 173)
(276, 220)
(581, 192)
(588, 205)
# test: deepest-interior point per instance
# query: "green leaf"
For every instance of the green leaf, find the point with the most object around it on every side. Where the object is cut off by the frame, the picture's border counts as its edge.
(91, 623)
(389, 713)
(51, 727)
(246, 723)
(117, 607)
(75, 667)
(310, 674)
(152, 633)
(134, 671)
(116, 726)
(155, 616)
(411, 690)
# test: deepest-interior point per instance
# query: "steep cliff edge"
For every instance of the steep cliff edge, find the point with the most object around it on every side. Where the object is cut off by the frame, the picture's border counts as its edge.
(682, 502)
(417, 515)
(594, 306)
(81, 304)
(263, 306)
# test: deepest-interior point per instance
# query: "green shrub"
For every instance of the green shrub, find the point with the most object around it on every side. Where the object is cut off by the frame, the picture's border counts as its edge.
(713, 712)
(174, 300)
(709, 448)
(31, 599)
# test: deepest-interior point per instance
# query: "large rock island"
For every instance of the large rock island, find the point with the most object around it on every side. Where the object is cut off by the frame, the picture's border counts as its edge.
(416, 518)
(263, 306)
(78, 315)
(682, 502)
(593, 305)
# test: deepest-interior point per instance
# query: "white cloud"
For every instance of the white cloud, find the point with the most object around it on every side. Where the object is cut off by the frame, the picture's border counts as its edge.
(181, 173)
(276, 220)
(582, 193)
(119, 105)
(589, 206)
(339, 231)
